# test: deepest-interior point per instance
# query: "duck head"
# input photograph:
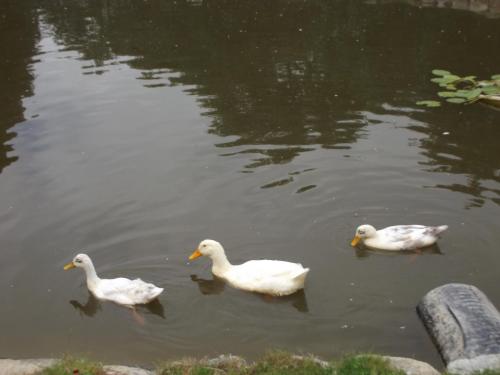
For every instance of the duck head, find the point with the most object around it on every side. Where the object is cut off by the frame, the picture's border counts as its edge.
(362, 232)
(79, 261)
(209, 248)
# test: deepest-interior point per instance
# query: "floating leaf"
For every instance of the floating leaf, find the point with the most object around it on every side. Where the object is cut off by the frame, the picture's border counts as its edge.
(429, 103)
(491, 90)
(472, 94)
(446, 79)
(485, 83)
(463, 90)
(456, 100)
(468, 94)
(450, 78)
(440, 72)
(447, 94)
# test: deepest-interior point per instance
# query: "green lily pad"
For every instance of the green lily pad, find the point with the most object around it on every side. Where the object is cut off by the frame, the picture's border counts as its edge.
(446, 79)
(456, 100)
(440, 72)
(429, 103)
(472, 94)
(450, 78)
(447, 94)
(468, 94)
(491, 90)
(463, 90)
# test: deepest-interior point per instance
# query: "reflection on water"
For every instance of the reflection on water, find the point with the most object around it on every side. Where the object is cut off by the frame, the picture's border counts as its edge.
(92, 306)
(89, 308)
(131, 129)
(364, 252)
(282, 90)
(209, 287)
(465, 149)
(217, 285)
(18, 25)
(488, 8)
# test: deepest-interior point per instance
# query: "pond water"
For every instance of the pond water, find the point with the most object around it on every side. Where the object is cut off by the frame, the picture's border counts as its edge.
(133, 130)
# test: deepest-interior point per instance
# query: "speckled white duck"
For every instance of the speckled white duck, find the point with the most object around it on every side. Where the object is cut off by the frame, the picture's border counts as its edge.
(273, 277)
(397, 237)
(120, 290)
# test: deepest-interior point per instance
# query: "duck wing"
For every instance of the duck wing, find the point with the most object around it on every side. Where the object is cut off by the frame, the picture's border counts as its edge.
(270, 269)
(128, 292)
(408, 237)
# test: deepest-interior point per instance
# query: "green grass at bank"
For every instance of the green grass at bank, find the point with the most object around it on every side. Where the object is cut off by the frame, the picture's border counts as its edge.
(68, 364)
(273, 363)
(282, 363)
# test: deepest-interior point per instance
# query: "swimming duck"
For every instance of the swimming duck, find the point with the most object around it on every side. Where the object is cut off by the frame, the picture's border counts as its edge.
(273, 277)
(121, 290)
(397, 237)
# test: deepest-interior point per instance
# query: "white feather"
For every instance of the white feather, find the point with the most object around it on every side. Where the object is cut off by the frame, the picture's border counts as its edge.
(399, 237)
(274, 277)
(120, 290)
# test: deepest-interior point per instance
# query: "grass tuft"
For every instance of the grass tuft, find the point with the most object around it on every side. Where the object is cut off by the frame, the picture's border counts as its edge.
(190, 366)
(68, 364)
(366, 365)
(273, 363)
(283, 363)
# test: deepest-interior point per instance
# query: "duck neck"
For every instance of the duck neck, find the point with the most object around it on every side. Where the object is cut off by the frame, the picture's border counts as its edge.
(220, 264)
(92, 278)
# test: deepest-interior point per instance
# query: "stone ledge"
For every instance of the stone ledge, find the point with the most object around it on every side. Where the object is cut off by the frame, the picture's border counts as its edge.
(411, 366)
(125, 370)
(24, 366)
(34, 366)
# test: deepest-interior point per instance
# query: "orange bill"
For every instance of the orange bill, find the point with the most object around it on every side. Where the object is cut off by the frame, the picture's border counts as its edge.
(355, 240)
(196, 254)
(69, 266)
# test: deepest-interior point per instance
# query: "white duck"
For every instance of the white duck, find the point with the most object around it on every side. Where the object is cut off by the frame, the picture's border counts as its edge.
(274, 277)
(397, 237)
(121, 290)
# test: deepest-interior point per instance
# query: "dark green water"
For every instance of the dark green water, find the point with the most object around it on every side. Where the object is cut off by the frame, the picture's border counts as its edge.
(131, 130)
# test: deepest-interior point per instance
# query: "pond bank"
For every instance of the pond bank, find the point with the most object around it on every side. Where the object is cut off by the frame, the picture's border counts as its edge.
(273, 363)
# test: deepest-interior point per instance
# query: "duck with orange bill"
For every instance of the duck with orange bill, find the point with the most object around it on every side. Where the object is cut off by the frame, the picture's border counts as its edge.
(272, 277)
(120, 290)
(397, 237)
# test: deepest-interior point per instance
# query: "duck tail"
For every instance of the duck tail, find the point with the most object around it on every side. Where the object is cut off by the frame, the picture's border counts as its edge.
(301, 275)
(440, 229)
(156, 292)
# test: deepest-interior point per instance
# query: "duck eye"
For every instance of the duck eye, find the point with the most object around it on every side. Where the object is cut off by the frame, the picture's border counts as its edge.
(361, 231)
(78, 260)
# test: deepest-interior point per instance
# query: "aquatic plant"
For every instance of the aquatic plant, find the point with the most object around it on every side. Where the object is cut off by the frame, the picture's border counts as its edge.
(464, 90)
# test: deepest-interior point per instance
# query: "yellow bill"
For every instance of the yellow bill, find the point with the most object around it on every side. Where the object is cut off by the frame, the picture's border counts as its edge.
(196, 254)
(69, 266)
(355, 240)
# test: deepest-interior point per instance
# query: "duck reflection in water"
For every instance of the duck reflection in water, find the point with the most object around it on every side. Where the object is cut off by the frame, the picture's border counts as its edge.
(93, 305)
(365, 252)
(217, 285)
